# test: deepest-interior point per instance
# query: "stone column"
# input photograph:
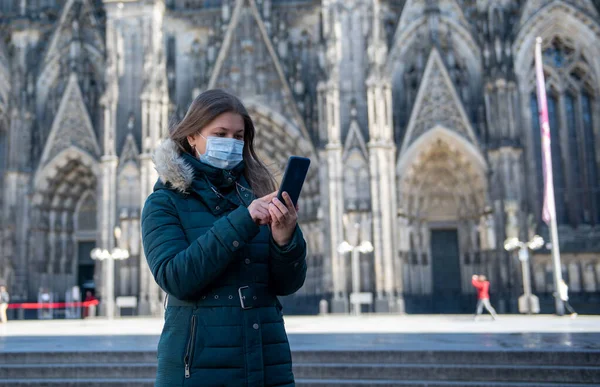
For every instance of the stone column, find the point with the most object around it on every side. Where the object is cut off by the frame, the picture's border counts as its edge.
(155, 108)
(148, 178)
(63, 242)
(333, 150)
(402, 250)
(107, 186)
(506, 191)
(16, 200)
(382, 152)
(107, 207)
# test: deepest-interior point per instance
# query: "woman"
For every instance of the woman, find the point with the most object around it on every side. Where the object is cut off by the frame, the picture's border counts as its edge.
(222, 246)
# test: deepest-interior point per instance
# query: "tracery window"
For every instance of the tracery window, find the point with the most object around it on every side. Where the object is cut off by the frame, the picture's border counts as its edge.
(356, 178)
(86, 216)
(571, 100)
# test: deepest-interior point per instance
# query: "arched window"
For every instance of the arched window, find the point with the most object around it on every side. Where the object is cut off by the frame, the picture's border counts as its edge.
(557, 159)
(86, 215)
(356, 183)
(577, 174)
(591, 184)
(571, 98)
(537, 146)
(129, 191)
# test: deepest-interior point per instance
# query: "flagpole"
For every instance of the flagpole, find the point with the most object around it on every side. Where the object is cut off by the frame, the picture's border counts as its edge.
(549, 209)
(558, 302)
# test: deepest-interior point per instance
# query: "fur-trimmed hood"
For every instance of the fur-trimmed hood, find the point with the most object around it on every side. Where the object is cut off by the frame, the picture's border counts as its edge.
(171, 167)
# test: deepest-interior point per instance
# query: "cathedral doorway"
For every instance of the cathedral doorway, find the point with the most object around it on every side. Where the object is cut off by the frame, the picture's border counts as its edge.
(442, 194)
(85, 267)
(445, 271)
(64, 224)
(85, 233)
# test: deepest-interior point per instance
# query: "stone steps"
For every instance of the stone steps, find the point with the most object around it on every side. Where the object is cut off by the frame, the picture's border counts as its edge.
(322, 371)
(149, 382)
(417, 383)
(324, 368)
(575, 358)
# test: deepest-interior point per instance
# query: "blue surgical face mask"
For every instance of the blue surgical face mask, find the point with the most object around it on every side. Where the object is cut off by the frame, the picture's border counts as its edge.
(222, 152)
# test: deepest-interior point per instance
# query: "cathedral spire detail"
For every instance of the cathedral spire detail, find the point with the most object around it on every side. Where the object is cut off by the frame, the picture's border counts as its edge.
(248, 64)
(72, 126)
(437, 104)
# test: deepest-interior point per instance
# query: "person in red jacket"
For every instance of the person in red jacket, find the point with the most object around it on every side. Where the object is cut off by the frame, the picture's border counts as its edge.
(482, 285)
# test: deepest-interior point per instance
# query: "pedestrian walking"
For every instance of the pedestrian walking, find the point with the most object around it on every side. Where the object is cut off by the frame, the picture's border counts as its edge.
(223, 247)
(4, 299)
(482, 285)
(563, 293)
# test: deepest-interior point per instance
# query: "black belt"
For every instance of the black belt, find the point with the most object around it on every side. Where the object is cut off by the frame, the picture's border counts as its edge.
(246, 297)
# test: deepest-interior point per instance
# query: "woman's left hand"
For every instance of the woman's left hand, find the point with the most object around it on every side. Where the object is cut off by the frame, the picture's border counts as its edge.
(283, 219)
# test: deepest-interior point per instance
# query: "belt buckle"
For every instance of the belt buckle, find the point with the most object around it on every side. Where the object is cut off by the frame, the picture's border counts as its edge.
(242, 297)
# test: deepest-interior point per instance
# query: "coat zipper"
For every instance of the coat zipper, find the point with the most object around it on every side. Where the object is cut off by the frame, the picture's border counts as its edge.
(190, 348)
(239, 195)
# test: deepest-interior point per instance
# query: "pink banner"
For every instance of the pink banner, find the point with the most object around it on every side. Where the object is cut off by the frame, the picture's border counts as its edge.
(549, 209)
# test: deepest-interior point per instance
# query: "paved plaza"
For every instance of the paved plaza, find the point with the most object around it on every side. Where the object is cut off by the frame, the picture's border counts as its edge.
(443, 332)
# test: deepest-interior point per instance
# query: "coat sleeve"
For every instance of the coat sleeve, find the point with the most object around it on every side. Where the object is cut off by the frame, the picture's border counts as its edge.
(287, 266)
(184, 269)
(477, 284)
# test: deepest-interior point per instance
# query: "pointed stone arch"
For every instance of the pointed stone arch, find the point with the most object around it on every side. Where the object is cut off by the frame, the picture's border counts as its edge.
(355, 141)
(128, 191)
(356, 178)
(437, 103)
(86, 219)
(555, 18)
(416, 8)
(472, 152)
(49, 171)
(77, 24)
(71, 10)
(129, 179)
(72, 126)
(442, 184)
(248, 65)
(572, 68)
(130, 151)
(409, 54)
(414, 18)
(532, 7)
(58, 189)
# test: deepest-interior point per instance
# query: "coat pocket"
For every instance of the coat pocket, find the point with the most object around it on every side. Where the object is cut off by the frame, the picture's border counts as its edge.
(189, 350)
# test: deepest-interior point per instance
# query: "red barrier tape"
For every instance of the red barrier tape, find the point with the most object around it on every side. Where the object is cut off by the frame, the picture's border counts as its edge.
(52, 305)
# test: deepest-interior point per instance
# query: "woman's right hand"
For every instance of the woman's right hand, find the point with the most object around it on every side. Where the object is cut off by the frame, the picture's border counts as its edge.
(259, 209)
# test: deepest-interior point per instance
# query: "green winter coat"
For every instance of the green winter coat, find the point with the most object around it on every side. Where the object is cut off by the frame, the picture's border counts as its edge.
(223, 323)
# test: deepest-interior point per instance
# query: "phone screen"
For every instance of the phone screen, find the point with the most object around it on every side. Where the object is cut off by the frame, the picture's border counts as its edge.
(293, 178)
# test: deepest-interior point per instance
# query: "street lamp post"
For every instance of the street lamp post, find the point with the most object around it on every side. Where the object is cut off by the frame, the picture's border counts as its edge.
(527, 302)
(365, 247)
(109, 277)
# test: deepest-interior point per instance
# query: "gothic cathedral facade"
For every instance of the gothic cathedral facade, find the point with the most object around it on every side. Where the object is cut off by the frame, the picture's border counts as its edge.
(420, 117)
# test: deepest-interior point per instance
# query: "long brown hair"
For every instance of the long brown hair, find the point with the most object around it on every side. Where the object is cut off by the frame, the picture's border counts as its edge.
(204, 109)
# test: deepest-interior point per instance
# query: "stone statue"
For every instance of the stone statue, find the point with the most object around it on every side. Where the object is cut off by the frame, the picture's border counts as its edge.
(512, 220)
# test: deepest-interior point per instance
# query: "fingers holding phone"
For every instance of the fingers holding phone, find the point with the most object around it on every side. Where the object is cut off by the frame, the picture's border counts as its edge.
(283, 219)
(259, 209)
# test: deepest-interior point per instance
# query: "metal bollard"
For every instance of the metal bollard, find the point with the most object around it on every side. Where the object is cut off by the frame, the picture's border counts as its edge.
(323, 307)
(91, 311)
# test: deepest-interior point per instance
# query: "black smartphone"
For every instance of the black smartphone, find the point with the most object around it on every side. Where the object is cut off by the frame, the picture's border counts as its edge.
(293, 178)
